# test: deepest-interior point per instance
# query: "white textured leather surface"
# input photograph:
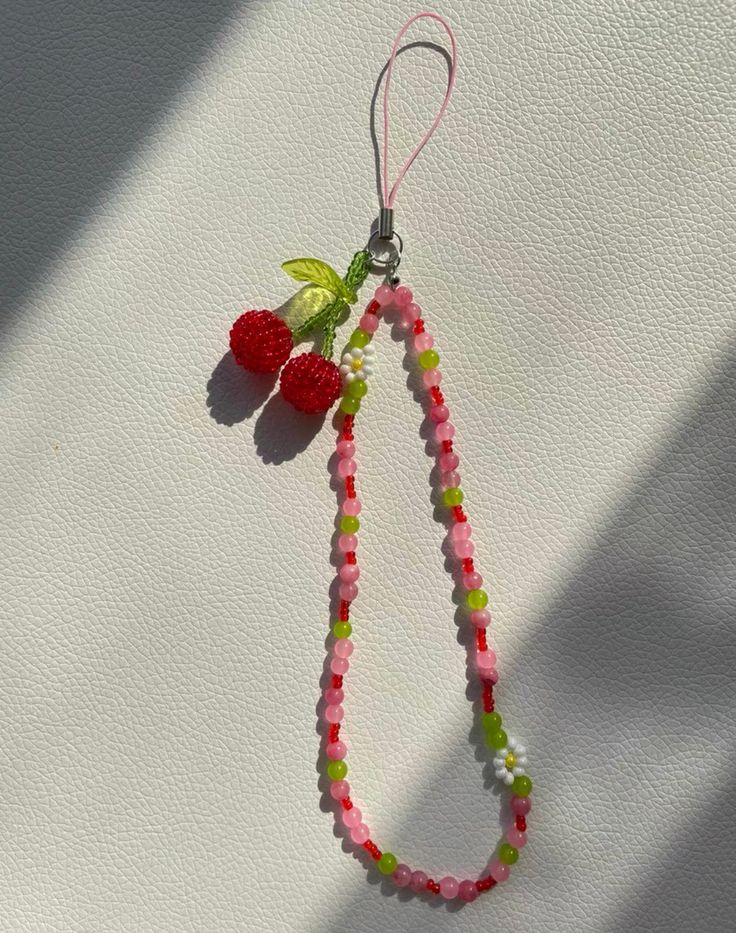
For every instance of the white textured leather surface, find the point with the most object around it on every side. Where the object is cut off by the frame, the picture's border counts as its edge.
(166, 528)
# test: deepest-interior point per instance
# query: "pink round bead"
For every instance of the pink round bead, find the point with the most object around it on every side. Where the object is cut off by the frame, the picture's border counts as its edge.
(516, 838)
(347, 543)
(369, 323)
(445, 431)
(491, 675)
(339, 666)
(449, 460)
(520, 806)
(352, 817)
(348, 591)
(438, 414)
(485, 659)
(352, 506)
(465, 548)
(403, 296)
(451, 479)
(334, 712)
(349, 573)
(431, 377)
(473, 581)
(384, 295)
(343, 648)
(449, 887)
(467, 891)
(461, 531)
(346, 467)
(402, 875)
(418, 881)
(360, 834)
(339, 790)
(345, 449)
(409, 314)
(499, 871)
(423, 341)
(336, 751)
(481, 618)
(334, 696)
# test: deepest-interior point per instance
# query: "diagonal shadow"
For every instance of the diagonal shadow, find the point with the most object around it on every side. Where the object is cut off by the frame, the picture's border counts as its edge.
(83, 83)
(631, 662)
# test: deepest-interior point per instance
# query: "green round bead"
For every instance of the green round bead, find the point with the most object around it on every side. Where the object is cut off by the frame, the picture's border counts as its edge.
(522, 785)
(429, 359)
(357, 388)
(359, 338)
(342, 629)
(336, 770)
(492, 722)
(477, 599)
(349, 404)
(453, 496)
(349, 524)
(507, 854)
(387, 863)
(496, 739)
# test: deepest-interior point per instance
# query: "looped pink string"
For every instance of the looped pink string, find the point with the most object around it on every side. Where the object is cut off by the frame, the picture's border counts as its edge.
(390, 196)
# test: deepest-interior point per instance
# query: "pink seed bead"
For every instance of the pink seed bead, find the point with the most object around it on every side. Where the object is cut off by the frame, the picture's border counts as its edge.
(423, 341)
(473, 581)
(448, 460)
(345, 449)
(451, 479)
(369, 323)
(384, 295)
(334, 696)
(334, 713)
(352, 817)
(461, 531)
(352, 507)
(347, 543)
(339, 666)
(431, 377)
(438, 414)
(449, 887)
(467, 891)
(349, 573)
(481, 618)
(485, 659)
(418, 881)
(445, 431)
(336, 751)
(348, 591)
(339, 790)
(360, 834)
(520, 806)
(499, 871)
(343, 648)
(346, 467)
(403, 296)
(402, 875)
(464, 549)
(409, 314)
(516, 838)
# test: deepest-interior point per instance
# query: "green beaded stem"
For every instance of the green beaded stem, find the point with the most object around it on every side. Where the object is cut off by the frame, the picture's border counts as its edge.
(327, 318)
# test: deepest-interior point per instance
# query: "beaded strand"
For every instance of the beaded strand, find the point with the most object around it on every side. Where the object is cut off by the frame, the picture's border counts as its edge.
(509, 754)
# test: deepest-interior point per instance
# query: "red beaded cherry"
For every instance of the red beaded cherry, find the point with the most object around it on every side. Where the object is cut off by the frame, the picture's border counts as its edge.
(260, 341)
(311, 383)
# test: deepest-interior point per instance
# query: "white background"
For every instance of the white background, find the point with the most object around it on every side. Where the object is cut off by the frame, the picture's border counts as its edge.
(166, 544)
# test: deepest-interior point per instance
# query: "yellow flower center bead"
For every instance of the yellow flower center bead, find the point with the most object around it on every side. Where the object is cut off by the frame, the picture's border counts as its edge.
(510, 760)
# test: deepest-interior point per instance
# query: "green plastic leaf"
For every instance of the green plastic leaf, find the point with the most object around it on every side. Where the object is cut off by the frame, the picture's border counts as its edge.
(318, 273)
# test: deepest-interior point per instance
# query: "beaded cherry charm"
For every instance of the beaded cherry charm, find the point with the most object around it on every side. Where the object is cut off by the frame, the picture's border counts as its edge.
(312, 383)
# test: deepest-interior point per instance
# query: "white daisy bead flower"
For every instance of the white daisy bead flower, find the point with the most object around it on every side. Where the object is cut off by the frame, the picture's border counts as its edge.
(510, 761)
(357, 363)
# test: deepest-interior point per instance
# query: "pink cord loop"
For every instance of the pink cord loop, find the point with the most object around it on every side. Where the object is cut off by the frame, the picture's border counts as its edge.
(389, 196)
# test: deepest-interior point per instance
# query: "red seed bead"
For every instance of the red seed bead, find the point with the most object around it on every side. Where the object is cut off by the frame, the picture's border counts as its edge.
(447, 446)
(337, 681)
(344, 610)
(437, 397)
(460, 516)
(468, 565)
(481, 639)
(419, 326)
(487, 696)
(485, 884)
(371, 847)
(350, 487)
(347, 422)
(433, 886)
(346, 803)
(334, 732)
(521, 823)
(373, 307)
(350, 558)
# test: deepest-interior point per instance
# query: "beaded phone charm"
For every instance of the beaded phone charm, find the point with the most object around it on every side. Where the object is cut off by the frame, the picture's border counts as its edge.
(312, 382)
